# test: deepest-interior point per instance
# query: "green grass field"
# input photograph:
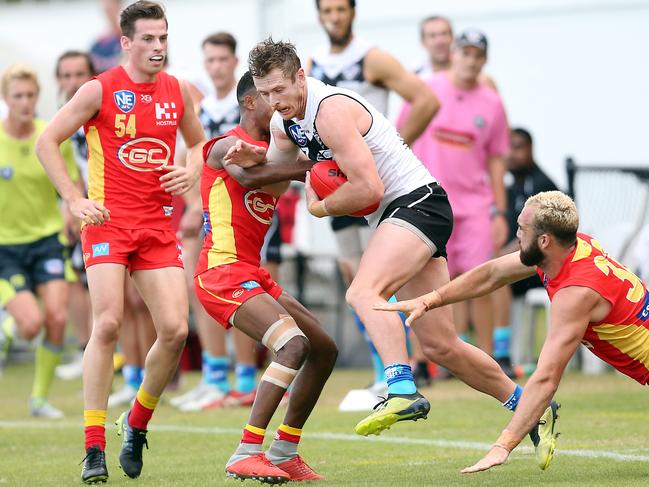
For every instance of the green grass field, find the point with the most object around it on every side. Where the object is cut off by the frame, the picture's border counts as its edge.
(604, 424)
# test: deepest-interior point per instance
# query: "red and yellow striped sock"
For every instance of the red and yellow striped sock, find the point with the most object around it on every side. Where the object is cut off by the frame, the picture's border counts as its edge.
(94, 421)
(288, 433)
(252, 434)
(142, 409)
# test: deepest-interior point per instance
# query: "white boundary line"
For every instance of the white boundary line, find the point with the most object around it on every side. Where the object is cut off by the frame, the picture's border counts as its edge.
(464, 445)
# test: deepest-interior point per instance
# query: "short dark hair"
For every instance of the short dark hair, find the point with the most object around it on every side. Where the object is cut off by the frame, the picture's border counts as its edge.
(142, 9)
(72, 54)
(523, 133)
(222, 39)
(269, 54)
(352, 4)
(245, 85)
(433, 18)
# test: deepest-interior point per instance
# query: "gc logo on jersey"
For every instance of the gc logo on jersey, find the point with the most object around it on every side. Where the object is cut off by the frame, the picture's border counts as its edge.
(125, 100)
(144, 154)
(260, 205)
(298, 135)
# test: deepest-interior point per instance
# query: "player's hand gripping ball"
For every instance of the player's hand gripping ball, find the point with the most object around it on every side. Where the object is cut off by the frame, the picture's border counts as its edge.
(326, 177)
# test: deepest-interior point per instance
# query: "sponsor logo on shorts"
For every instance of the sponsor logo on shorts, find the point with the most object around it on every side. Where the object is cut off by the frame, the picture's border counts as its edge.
(86, 256)
(298, 135)
(6, 173)
(17, 281)
(101, 249)
(144, 154)
(249, 285)
(260, 205)
(179, 248)
(169, 210)
(237, 293)
(644, 312)
(125, 100)
(53, 266)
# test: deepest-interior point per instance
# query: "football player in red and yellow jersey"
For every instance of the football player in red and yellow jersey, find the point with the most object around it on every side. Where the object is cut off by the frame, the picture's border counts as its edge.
(595, 299)
(238, 206)
(131, 115)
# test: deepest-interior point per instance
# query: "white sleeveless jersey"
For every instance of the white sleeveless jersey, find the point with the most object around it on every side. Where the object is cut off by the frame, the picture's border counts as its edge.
(345, 70)
(217, 116)
(398, 168)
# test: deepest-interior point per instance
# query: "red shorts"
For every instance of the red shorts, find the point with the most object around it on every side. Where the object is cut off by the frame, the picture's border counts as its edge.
(136, 248)
(221, 290)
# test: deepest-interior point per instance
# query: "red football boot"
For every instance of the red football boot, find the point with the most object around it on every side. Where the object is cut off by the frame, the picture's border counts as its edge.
(299, 470)
(257, 467)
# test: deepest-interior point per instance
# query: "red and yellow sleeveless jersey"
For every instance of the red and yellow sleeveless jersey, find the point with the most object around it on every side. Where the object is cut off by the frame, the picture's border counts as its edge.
(622, 337)
(236, 218)
(130, 140)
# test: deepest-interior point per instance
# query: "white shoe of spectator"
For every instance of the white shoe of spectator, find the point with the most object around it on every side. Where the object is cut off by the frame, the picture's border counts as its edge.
(72, 370)
(212, 397)
(379, 389)
(125, 395)
(189, 396)
(40, 408)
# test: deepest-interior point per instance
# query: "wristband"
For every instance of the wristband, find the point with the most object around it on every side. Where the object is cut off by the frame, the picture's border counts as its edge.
(507, 440)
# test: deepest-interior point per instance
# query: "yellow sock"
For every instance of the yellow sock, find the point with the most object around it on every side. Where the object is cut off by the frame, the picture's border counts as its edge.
(146, 399)
(94, 417)
(48, 356)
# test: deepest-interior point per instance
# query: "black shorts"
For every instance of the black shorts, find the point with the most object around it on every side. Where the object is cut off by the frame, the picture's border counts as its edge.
(25, 266)
(342, 222)
(271, 250)
(426, 212)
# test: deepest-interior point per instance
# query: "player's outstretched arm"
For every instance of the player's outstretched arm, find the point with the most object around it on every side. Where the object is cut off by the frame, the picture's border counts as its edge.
(383, 68)
(479, 281)
(179, 178)
(572, 308)
(82, 107)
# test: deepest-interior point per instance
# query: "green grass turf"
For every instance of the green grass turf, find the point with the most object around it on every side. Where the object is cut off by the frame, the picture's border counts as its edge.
(600, 414)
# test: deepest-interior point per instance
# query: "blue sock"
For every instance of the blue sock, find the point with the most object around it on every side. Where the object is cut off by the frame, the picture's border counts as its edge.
(400, 381)
(132, 375)
(512, 402)
(245, 378)
(464, 337)
(205, 370)
(377, 363)
(217, 372)
(501, 342)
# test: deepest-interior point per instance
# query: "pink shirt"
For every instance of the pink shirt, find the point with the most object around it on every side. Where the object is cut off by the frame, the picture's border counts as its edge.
(469, 129)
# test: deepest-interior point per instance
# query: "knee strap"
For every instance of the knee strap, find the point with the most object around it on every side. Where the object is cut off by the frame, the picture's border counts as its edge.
(279, 374)
(280, 332)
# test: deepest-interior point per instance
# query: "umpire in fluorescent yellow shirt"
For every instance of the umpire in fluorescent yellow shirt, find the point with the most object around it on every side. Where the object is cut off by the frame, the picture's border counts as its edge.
(32, 257)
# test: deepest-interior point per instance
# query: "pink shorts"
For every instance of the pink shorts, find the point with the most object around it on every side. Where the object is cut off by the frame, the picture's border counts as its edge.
(471, 243)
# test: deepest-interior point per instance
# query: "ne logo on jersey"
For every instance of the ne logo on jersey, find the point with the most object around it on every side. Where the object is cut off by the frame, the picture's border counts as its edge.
(144, 154)
(125, 100)
(260, 205)
(298, 135)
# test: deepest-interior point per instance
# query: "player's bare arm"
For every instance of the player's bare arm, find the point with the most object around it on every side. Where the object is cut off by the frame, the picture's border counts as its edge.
(257, 176)
(500, 227)
(479, 281)
(382, 68)
(180, 178)
(340, 123)
(83, 106)
(572, 309)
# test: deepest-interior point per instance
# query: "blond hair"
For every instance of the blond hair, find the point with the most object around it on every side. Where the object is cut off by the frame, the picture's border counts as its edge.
(17, 71)
(555, 213)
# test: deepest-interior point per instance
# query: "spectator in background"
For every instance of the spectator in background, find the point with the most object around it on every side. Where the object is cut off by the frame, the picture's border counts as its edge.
(351, 62)
(464, 146)
(528, 180)
(436, 33)
(106, 51)
(73, 69)
(31, 252)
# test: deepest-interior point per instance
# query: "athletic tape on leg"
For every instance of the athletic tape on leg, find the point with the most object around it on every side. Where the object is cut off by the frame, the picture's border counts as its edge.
(280, 332)
(279, 374)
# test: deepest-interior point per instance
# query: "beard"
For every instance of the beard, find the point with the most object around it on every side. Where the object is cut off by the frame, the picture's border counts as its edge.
(532, 255)
(343, 40)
